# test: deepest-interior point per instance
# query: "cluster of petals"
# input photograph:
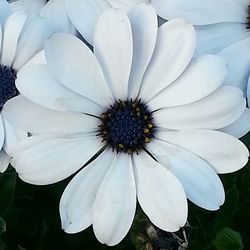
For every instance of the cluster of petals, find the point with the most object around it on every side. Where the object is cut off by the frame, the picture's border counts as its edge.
(61, 101)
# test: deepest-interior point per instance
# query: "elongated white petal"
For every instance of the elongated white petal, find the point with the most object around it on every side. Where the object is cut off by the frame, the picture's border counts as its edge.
(173, 52)
(221, 108)
(30, 6)
(223, 152)
(31, 41)
(38, 58)
(160, 194)
(115, 203)
(201, 12)
(33, 118)
(202, 77)
(240, 127)
(143, 20)
(113, 47)
(13, 136)
(2, 132)
(12, 29)
(199, 180)
(77, 201)
(37, 84)
(126, 4)
(84, 15)
(4, 161)
(76, 67)
(5, 10)
(55, 14)
(54, 159)
(238, 58)
(213, 38)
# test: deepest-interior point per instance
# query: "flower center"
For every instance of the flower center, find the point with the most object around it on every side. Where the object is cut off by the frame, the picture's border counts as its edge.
(127, 126)
(248, 17)
(7, 84)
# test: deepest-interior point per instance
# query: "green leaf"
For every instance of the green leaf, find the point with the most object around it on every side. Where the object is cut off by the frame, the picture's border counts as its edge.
(7, 189)
(227, 239)
(2, 225)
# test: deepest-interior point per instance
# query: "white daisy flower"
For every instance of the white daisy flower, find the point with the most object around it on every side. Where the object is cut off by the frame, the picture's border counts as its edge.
(222, 27)
(20, 41)
(135, 120)
(53, 11)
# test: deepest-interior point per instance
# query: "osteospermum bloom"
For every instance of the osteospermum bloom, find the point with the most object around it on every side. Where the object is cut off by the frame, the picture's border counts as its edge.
(20, 41)
(222, 27)
(53, 11)
(135, 120)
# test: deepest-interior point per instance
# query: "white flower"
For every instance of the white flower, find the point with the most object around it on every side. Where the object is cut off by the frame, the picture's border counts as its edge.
(20, 42)
(222, 27)
(53, 11)
(156, 143)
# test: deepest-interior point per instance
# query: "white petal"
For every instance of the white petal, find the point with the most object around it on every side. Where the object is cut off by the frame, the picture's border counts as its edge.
(213, 38)
(219, 109)
(37, 84)
(2, 132)
(54, 159)
(240, 127)
(33, 118)
(238, 58)
(4, 161)
(115, 204)
(143, 20)
(76, 204)
(248, 92)
(203, 76)
(113, 47)
(126, 4)
(201, 12)
(38, 58)
(173, 52)
(160, 194)
(31, 41)
(76, 67)
(5, 11)
(223, 152)
(55, 14)
(84, 14)
(200, 182)
(13, 136)
(12, 29)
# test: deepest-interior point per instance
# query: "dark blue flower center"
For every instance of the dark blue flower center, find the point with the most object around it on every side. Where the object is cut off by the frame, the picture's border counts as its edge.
(127, 126)
(7, 84)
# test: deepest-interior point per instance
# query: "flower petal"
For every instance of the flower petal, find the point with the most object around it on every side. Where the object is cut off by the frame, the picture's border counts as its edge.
(33, 118)
(77, 201)
(219, 109)
(76, 67)
(12, 30)
(84, 14)
(238, 58)
(202, 77)
(54, 159)
(240, 127)
(115, 204)
(143, 20)
(200, 182)
(160, 194)
(29, 6)
(126, 4)
(4, 161)
(213, 38)
(5, 11)
(113, 47)
(223, 152)
(55, 14)
(2, 132)
(173, 52)
(36, 83)
(31, 41)
(201, 12)
(38, 58)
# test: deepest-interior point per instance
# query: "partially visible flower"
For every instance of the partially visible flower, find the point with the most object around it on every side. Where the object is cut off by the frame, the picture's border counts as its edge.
(139, 115)
(53, 11)
(21, 42)
(222, 27)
